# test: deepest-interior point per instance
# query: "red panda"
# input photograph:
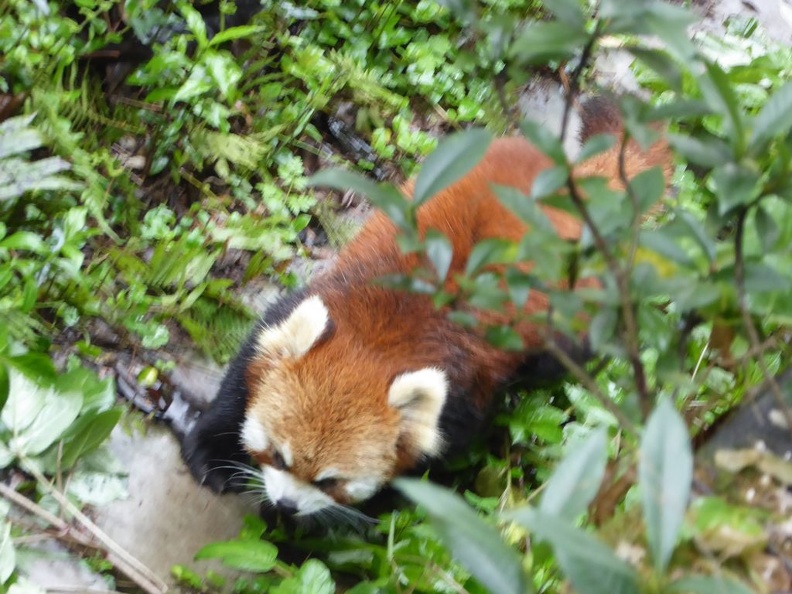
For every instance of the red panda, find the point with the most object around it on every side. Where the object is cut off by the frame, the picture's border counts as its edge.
(346, 384)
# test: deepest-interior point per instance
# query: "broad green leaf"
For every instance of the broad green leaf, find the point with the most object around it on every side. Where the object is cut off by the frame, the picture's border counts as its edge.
(766, 228)
(489, 251)
(665, 474)
(224, 70)
(734, 185)
(548, 182)
(544, 140)
(670, 23)
(594, 145)
(195, 23)
(648, 187)
(7, 552)
(474, 543)
(774, 119)
(258, 556)
(196, 84)
(659, 61)
(505, 338)
(19, 141)
(708, 151)
(25, 401)
(385, 197)
(313, 577)
(706, 584)
(97, 488)
(440, 252)
(698, 232)
(567, 11)
(576, 479)
(25, 240)
(233, 33)
(543, 41)
(603, 326)
(662, 243)
(58, 413)
(519, 285)
(454, 156)
(588, 564)
(524, 207)
(86, 434)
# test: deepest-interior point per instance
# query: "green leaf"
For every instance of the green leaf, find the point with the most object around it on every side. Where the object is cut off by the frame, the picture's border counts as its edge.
(774, 119)
(576, 479)
(548, 182)
(224, 70)
(766, 228)
(707, 584)
(543, 41)
(440, 252)
(385, 197)
(734, 185)
(505, 338)
(4, 386)
(258, 556)
(665, 474)
(489, 251)
(567, 11)
(603, 326)
(519, 285)
(594, 145)
(25, 240)
(88, 433)
(660, 242)
(233, 33)
(195, 23)
(524, 207)
(720, 96)
(648, 187)
(313, 578)
(454, 156)
(662, 64)
(474, 543)
(544, 140)
(586, 562)
(708, 151)
(7, 552)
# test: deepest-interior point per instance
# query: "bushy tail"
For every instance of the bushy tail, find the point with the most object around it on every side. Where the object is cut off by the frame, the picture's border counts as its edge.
(600, 115)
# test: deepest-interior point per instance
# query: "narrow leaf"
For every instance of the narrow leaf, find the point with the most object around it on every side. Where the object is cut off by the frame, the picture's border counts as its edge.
(474, 543)
(440, 253)
(707, 584)
(489, 251)
(258, 556)
(577, 478)
(585, 561)
(454, 156)
(544, 140)
(385, 197)
(543, 41)
(665, 472)
(235, 33)
(774, 119)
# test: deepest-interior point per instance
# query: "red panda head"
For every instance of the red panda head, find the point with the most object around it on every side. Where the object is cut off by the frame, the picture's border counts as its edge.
(329, 420)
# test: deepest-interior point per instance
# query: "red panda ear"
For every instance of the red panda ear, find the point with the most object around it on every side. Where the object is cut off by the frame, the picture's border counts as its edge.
(296, 335)
(419, 397)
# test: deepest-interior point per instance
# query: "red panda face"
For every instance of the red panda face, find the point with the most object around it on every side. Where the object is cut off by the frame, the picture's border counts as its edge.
(328, 422)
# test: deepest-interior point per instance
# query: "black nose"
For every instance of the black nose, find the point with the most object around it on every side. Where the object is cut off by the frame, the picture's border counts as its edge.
(287, 506)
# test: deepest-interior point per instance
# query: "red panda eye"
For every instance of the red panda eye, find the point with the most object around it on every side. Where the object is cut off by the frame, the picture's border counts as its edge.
(326, 484)
(278, 463)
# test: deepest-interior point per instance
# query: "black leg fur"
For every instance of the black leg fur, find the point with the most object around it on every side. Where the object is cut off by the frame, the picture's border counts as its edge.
(212, 447)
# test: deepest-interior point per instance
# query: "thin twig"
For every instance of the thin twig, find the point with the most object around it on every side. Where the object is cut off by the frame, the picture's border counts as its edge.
(750, 328)
(141, 575)
(584, 378)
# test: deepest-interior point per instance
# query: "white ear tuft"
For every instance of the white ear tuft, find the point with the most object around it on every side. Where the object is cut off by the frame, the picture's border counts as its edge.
(419, 396)
(298, 333)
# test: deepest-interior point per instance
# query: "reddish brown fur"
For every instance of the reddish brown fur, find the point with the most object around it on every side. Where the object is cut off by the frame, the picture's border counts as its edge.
(337, 392)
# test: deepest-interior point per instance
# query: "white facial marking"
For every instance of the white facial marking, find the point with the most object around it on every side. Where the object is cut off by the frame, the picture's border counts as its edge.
(297, 334)
(419, 396)
(280, 484)
(362, 489)
(286, 452)
(253, 436)
(329, 473)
